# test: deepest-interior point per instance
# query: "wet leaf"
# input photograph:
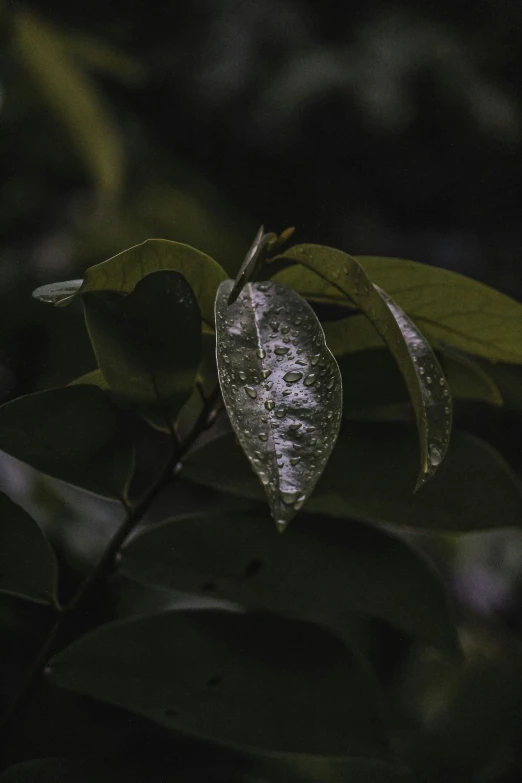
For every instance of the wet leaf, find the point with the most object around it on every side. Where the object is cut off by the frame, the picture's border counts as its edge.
(445, 305)
(245, 680)
(74, 434)
(281, 387)
(70, 95)
(28, 566)
(58, 294)
(356, 569)
(122, 272)
(367, 477)
(148, 343)
(418, 364)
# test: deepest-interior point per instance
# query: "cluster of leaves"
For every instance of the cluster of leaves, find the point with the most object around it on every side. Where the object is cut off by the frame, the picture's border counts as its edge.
(326, 415)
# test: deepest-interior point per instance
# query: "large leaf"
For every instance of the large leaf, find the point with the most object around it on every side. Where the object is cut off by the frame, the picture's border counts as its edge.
(418, 364)
(27, 563)
(281, 387)
(322, 569)
(70, 95)
(368, 477)
(148, 344)
(74, 434)
(122, 273)
(260, 681)
(57, 770)
(445, 305)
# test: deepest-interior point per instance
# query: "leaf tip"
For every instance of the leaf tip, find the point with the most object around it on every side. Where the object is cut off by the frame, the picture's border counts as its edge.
(281, 525)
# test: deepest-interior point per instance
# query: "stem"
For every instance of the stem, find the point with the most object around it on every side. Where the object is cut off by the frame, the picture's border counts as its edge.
(106, 563)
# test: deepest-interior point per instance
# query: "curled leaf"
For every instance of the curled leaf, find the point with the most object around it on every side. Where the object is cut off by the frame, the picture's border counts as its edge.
(281, 387)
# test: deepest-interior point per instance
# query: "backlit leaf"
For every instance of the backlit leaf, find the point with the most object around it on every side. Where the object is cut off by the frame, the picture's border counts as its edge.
(281, 387)
(27, 563)
(74, 434)
(418, 364)
(58, 294)
(148, 343)
(245, 680)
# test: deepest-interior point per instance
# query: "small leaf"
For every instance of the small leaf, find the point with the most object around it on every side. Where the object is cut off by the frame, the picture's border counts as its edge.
(356, 569)
(58, 294)
(148, 344)
(122, 272)
(251, 681)
(418, 364)
(28, 566)
(56, 770)
(250, 263)
(73, 434)
(281, 387)
(367, 478)
(445, 305)
(70, 95)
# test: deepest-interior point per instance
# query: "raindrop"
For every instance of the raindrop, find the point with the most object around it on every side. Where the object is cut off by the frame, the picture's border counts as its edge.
(434, 455)
(292, 377)
(295, 425)
(270, 405)
(289, 498)
(281, 525)
(441, 381)
(310, 379)
(264, 287)
(226, 358)
(266, 374)
(280, 350)
(301, 362)
(286, 339)
(299, 502)
(315, 359)
(329, 415)
(242, 375)
(446, 410)
(428, 379)
(263, 436)
(251, 392)
(261, 353)
(421, 370)
(268, 385)
(264, 478)
(285, 329)
(280, 411)
(286, 393)
(446, 393)
(295, 460)
(298, 321)
(274, 325)
(330, 383)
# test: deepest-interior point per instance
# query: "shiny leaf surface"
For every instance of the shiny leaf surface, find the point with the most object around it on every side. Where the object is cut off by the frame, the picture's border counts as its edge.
(322, 569)
(28, 566)
(281, 387)
(418, 364)
(148, 344)
(74, 434)
(246, 680)
(368, 477)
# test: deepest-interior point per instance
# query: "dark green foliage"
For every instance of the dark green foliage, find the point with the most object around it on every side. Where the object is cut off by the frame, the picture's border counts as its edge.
(295, 655)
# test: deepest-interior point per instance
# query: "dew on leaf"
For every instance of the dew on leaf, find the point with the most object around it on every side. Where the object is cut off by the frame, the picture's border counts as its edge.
(251, 392)
(292, 376)
(310, 379)
(280, 350)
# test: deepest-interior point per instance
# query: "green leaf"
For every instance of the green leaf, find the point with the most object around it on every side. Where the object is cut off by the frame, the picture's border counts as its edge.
(468, 379)
(418, 364)
(250, 263)
(56, 770)
(281, 387)
(122, 272)
(367, 477)
(245, 680)
(356, 569)
(28, 566)
(70, 95)
(148, 343)
(58, 294)
(73, 434)
(92, 378)
(445, 305)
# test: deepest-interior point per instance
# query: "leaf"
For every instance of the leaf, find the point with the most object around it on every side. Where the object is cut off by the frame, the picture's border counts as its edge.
(92, 378)
(418, 364)
(58, 294)
(28, 566)
(148, 343)
(468, 379)
(250, 263)
(445, 305)
(367, 478)
(56, 770)
(70, 95)
(281, 387)
(124, 271)
(245, 680)
(73, 434)
(321, 570)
